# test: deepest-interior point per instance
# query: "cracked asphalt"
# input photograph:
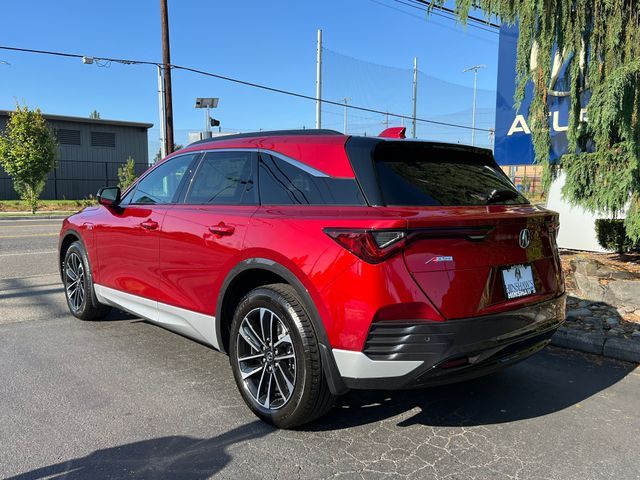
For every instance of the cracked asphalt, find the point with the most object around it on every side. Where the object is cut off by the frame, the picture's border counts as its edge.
(125, 399)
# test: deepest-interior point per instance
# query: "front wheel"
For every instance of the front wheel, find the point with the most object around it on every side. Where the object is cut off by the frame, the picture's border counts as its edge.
(275, 358)
(78, 285)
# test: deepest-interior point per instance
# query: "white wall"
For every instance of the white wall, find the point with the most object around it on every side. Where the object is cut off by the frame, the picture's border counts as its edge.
(577, 226)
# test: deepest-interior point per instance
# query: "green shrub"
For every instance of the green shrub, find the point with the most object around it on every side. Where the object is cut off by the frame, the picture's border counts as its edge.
(127, 174)
(612, 235)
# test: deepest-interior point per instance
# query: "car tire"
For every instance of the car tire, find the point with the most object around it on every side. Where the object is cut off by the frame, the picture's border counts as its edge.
(78, 285)
(282, 381)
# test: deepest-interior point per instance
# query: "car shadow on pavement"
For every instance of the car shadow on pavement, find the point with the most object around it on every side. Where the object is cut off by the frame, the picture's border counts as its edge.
(173, 457)
(550, 381)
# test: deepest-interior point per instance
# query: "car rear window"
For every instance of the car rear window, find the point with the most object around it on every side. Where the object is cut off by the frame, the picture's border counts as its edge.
(425, 175)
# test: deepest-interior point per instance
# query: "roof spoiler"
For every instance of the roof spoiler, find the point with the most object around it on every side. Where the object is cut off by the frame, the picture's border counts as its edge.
(394, 132)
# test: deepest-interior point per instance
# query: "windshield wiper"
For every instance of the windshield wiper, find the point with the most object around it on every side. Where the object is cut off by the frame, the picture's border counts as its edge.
(497, 195)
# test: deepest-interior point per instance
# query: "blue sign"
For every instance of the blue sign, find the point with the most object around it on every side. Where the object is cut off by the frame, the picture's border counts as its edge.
(513, 144)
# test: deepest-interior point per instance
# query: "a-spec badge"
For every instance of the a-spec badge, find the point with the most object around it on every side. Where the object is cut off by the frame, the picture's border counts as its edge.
(524, 239)
(438, 259)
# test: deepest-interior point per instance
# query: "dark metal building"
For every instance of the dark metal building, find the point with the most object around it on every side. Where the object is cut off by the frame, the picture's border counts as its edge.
(89, 154)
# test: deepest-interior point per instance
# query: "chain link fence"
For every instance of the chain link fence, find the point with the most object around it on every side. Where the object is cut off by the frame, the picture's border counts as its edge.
(72, 179)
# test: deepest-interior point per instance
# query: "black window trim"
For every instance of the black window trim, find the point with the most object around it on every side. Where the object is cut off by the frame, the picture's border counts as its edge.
(177, 198)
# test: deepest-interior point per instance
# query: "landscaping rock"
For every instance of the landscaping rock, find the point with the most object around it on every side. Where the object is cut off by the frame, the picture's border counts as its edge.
(578, 312)
(600, 283)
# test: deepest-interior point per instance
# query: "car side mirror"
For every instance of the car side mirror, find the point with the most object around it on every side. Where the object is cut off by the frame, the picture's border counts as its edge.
(109, 196)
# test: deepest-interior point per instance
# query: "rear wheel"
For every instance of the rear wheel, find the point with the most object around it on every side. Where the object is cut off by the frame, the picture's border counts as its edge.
(78, 285)
(275, 358)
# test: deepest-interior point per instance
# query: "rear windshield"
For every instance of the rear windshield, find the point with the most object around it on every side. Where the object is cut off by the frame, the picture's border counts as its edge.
(424, 175)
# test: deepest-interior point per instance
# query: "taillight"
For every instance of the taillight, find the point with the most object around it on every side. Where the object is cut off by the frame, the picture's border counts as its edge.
(372, 246)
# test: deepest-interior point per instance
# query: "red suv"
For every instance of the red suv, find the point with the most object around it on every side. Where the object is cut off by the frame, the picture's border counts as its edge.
(321, 262)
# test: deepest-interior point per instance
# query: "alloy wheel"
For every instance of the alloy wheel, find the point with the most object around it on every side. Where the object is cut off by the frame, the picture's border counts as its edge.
(74, 273)
(266, 358)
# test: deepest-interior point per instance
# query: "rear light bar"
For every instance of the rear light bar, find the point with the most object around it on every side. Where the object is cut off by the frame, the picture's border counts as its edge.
(372, 246)
(375, 246)
(474, 234)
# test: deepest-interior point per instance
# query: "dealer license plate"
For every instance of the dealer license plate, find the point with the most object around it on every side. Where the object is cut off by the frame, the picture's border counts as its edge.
(518, 281)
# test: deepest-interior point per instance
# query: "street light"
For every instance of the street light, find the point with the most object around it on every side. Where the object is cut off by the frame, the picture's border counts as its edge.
(207, 103)
(475, 69)
(162, 106)
(346, 107)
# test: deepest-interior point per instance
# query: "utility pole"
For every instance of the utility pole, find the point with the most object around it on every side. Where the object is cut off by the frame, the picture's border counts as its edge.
(345, 100)
(319, 80)
(475, 69)
(163, 118)
(415, 95)
(166, 65)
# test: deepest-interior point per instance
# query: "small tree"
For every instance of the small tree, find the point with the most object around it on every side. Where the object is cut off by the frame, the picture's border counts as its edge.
(95, 114)
(28, 153)
(127, 173)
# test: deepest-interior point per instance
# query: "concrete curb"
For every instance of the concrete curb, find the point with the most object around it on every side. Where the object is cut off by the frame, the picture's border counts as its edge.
(591, 342)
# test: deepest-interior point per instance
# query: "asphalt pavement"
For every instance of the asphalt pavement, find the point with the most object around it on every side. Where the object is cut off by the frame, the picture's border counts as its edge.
(122, 398)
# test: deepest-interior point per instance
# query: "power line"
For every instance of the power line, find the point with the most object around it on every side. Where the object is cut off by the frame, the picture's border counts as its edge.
(479, 23)
(435, 14)
(242, 82)
(453, 12)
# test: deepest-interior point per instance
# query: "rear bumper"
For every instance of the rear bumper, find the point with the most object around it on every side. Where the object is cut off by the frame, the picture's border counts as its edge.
(417, 353)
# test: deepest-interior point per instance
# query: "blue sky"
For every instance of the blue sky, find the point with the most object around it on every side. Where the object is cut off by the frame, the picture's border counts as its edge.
(265, 42)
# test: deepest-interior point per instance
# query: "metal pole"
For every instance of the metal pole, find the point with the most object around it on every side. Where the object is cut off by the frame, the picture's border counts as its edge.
(166, 60)
(415, 95)
(345, 114)
(319, 81)
(475, 69)
(163, 120)
(473, 114)
(55, 182)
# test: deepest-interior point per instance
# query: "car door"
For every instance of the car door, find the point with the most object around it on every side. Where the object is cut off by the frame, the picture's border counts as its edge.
(202, 237)
(127, 237)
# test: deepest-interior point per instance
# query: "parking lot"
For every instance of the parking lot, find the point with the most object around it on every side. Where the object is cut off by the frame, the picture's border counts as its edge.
(123, 398)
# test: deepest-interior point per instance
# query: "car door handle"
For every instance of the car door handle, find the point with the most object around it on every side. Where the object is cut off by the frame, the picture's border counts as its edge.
(149, 225)
(222, 229)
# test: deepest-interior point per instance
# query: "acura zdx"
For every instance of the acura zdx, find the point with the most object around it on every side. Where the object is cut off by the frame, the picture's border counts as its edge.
(321, 262)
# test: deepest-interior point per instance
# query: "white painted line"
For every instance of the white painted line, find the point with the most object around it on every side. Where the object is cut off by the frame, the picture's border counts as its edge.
(42, 252)
(55, 234)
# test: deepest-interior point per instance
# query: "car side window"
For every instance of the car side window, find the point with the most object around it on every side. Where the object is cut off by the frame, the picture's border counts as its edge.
(162, 185)
(224, 178)
(282, 183)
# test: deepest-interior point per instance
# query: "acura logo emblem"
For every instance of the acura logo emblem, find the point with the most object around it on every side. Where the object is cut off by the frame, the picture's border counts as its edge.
(524, 237)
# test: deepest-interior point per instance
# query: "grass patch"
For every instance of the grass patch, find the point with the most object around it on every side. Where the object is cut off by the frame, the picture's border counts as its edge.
(13, 206)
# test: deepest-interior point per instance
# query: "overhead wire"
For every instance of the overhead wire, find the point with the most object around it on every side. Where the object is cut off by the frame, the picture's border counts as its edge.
(475, 22)
(241, 82)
